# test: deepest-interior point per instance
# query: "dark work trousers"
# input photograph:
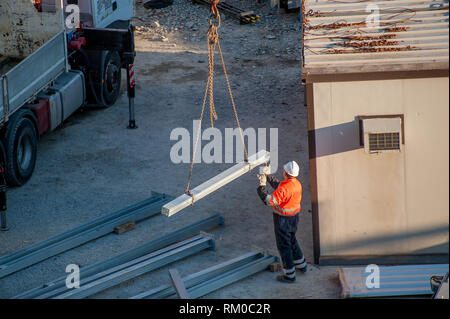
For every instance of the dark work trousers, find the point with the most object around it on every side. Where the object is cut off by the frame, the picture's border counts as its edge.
(288, 247)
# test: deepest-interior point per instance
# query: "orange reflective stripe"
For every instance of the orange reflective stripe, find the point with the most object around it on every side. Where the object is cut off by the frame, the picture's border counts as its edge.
(286, 199)
(283, 210)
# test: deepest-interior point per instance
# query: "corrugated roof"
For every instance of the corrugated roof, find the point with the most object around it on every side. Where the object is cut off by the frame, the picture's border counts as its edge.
(341, 35)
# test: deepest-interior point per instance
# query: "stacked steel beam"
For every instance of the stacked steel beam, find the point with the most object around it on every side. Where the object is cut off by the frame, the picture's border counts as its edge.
(130, 264)
(97, 228)
(208, 280)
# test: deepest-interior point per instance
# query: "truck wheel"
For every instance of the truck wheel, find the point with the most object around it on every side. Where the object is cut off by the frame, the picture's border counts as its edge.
(21, 149)
(112, 76)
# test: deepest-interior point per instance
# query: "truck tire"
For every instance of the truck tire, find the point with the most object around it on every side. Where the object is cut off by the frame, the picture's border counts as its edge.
(21, 149)
(112, 75)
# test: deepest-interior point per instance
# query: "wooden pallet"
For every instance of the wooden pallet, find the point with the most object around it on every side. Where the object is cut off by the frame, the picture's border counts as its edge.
(244, 17)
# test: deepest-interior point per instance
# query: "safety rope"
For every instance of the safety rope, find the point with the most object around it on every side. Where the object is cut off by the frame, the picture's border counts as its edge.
(212, 39)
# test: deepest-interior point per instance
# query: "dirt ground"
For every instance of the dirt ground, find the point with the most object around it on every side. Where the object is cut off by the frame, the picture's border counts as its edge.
(93, 165)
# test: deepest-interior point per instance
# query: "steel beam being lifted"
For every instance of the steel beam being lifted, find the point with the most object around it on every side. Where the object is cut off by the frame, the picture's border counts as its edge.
(216, 182)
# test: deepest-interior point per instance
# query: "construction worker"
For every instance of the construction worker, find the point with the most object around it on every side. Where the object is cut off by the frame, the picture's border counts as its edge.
(285, 202)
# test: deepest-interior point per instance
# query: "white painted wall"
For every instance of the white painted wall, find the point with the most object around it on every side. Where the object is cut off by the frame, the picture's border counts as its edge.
(383, 204)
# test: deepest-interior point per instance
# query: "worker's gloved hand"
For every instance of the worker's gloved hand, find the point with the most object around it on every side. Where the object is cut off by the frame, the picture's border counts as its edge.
(266, 170)
(262, 179)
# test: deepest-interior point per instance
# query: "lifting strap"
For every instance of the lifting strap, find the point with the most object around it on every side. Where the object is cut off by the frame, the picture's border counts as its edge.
(212, 39)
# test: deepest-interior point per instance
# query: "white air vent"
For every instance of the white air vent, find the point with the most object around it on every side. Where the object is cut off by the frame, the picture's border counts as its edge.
(382, 135)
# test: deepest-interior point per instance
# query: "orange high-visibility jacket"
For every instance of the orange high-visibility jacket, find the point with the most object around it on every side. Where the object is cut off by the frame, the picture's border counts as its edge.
(286, 199)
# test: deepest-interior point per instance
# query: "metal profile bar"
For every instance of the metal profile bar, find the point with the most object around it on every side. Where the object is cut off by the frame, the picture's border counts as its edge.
(230, 277)
(201, 276)
(85, 280)
(39, 245)
(98, 276)
(216, 182)
(81, 238)
(178, 284)
(140, 268)
(58, 286)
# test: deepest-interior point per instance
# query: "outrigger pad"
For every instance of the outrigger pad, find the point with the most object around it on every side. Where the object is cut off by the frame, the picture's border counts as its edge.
(216, 182)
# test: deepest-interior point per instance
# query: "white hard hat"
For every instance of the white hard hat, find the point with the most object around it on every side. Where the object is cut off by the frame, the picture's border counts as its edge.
(291, 168)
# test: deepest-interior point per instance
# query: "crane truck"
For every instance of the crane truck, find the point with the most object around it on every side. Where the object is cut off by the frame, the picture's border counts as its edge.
(55, 57)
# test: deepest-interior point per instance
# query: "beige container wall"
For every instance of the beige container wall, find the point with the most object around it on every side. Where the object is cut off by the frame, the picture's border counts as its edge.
(388, 203)
(23, 30)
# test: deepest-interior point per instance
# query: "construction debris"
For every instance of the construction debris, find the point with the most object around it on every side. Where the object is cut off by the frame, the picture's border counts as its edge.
(215, 183)
(244, 17)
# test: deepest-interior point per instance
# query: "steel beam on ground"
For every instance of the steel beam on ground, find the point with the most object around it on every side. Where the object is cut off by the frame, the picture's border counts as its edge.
(96, 230)
(87, 280)
(44, 243)
(201, 276)
(201, 243)
(178, 284)
(216, 182)
(58, 286)
(230, 277)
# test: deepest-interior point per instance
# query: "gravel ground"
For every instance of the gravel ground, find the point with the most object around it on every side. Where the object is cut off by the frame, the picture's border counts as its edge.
(93, 165)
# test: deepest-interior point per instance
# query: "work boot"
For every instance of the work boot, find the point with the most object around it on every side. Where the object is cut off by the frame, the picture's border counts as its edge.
(288, 276)
(284, 278)
(302, 269)
(301, 265)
